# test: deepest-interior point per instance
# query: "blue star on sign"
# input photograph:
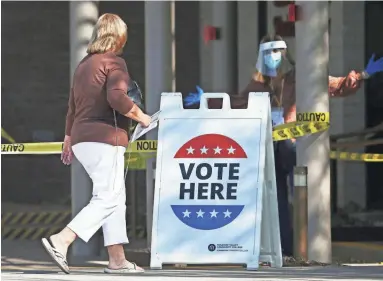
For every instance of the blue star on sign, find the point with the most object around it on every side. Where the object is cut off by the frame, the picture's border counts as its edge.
(207, 217)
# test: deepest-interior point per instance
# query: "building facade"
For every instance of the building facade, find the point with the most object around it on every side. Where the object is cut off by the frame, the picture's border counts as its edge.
(36, 79)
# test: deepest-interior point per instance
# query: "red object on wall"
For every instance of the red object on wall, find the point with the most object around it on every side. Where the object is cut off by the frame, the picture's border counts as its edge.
(294, 13)
(282, 25)
(209, 33)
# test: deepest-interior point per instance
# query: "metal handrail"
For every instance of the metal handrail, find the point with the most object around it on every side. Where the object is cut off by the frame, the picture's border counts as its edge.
(377, 129)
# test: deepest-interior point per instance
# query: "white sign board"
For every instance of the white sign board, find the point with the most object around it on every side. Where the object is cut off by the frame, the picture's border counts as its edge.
(215, 185)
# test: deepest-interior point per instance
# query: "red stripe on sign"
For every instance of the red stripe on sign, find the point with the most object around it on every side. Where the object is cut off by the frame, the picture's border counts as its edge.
(211, 146)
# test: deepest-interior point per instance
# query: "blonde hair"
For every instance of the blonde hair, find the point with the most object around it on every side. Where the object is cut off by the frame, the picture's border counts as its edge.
(109, 34)
(258, 76)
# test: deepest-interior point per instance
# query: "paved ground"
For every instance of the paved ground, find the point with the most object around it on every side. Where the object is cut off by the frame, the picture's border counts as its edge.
(312, 273)
(27, 261)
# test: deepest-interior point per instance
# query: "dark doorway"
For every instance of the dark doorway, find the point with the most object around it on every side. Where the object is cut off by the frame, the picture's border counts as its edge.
(374, 101)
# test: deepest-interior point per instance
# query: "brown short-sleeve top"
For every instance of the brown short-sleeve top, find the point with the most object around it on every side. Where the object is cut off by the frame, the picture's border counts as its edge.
(100, 84)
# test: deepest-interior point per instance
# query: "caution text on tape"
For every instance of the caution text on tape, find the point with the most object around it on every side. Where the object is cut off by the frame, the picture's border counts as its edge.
(313, 117)
(307, 123)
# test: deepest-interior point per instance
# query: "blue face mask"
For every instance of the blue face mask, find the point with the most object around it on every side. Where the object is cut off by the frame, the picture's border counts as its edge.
(273, 60)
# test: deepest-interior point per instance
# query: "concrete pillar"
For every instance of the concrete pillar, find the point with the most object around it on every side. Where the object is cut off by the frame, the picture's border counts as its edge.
(158, 79)
(224, 16)
(248, 42)
(351, 177)
(312, 58)
(206, 53)
(83, 17)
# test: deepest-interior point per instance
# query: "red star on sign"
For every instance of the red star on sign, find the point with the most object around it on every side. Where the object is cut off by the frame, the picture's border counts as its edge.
(211, 146)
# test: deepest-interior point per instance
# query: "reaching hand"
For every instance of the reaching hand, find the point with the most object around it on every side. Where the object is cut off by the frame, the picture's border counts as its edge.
(374, 66)
(194, 98)
(145, 120)
(67, 154)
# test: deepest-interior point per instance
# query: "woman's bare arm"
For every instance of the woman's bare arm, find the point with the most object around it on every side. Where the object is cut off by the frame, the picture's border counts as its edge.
(136, 114)
(344, 86)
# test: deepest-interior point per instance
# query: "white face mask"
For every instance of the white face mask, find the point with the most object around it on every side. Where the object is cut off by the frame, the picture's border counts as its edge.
(276, 56)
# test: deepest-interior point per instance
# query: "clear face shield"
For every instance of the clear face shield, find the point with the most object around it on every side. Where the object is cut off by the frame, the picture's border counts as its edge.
(271, 59)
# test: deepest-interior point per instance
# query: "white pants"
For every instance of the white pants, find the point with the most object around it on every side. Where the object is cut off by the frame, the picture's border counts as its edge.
(104, 164)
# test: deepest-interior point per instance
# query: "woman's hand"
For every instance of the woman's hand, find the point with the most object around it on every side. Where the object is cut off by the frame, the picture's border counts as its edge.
(137, 115)
(145, 120)
(67, 154)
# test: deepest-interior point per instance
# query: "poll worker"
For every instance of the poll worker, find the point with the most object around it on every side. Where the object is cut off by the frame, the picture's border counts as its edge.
(97, 134)
(275, 73)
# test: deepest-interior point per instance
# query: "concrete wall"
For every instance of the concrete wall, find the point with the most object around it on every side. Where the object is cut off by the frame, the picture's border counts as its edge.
(206, 51)
(247, 41)
(35, 87)
(187, 45)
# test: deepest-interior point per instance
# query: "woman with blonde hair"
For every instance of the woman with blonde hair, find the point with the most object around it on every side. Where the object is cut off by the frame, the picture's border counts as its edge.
(96, 132)
(275, 73)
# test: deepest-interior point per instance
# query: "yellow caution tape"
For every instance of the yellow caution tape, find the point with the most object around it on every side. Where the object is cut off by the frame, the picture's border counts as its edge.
(295, 130)
(139, 151)
(352, 156)
(137, 160)
(307, 123)
(32, 148)
(314, 122)
(313, 117)
(6, 136)
(141, 146)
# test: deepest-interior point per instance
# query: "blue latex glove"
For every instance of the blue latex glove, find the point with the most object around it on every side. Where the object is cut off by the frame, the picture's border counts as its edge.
(374, 66)
(193, 98)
